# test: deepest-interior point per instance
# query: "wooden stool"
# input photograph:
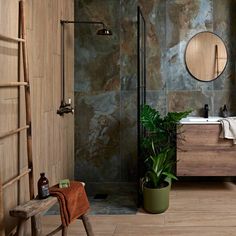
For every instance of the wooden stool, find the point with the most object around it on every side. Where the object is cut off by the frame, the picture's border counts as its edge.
(33, 209)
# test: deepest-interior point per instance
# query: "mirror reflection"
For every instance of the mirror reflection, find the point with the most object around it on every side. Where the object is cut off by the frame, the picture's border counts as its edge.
(206, 56)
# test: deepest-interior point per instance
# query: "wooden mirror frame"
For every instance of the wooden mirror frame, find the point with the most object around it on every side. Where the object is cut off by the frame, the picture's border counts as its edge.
(210, 53)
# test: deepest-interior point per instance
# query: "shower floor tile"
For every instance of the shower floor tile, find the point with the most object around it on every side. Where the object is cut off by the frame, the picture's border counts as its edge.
(112, 205)
(108, 199)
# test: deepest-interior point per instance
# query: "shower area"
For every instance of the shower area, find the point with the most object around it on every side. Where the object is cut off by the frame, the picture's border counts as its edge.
(106, 104)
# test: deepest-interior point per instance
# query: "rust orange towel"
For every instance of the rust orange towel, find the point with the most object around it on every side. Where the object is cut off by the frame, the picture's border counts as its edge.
(73, 201)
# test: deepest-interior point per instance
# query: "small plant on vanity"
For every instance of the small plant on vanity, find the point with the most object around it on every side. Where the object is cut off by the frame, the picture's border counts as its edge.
(158, 150)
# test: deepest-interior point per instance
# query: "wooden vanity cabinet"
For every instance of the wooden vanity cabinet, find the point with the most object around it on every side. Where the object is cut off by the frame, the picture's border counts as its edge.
(201, 152)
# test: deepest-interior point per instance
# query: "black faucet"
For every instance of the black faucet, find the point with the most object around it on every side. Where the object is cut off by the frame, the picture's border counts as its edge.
(206, 109)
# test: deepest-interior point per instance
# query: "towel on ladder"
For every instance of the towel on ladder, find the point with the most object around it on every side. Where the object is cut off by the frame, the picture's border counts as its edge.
(228, 130)
(73, 201)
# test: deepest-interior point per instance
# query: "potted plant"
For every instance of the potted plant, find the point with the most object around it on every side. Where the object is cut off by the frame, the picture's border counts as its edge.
(158, 150)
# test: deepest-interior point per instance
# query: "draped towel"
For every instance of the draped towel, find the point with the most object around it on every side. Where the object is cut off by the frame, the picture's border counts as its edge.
(73, 201)
(228, 130)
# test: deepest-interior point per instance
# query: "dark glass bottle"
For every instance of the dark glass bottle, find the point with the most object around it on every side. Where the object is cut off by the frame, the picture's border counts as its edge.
(43, 187)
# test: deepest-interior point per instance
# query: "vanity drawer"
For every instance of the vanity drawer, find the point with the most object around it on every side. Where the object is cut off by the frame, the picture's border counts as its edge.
(206, 163)
(200, 152)
(201, 135)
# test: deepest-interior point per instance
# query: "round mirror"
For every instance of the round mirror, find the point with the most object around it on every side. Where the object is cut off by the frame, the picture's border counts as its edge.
(206, 56)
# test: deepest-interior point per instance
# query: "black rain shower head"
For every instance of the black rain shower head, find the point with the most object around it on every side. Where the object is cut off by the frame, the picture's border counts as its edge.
(104, 32)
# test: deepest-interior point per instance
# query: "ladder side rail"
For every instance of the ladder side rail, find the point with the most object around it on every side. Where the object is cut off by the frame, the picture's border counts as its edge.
(2, 228)
(27, 100)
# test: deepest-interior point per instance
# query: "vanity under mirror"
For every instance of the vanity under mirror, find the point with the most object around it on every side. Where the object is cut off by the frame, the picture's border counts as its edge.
(206, 56)
(201, 151)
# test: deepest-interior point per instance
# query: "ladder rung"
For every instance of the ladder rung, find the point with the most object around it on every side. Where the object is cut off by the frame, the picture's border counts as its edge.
(12, 181)
(11, 39)
(14, 84)
(14, 131)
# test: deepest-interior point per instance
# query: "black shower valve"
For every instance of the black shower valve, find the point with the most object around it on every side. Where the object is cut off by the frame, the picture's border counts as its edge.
(65, 108)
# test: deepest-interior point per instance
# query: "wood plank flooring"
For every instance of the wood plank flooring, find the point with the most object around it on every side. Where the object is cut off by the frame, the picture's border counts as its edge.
(206, 209)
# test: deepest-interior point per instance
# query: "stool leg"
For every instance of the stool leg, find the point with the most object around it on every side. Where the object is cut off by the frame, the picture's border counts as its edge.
(64, 231)
(36, 225)
(20, 228)
(87, 225)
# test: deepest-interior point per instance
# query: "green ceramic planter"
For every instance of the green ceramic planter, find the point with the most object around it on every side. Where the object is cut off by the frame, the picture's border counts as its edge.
(156, 200)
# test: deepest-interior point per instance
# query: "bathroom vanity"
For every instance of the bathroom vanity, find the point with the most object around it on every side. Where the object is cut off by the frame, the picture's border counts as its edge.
(200, 150)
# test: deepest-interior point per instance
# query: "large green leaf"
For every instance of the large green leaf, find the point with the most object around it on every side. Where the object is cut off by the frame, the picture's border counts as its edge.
(159, 144)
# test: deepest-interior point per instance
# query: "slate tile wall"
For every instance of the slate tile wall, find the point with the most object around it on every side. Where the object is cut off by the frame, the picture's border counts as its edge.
(106, 76)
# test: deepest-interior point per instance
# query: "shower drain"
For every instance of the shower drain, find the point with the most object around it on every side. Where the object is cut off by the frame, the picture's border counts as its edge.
(101, 196)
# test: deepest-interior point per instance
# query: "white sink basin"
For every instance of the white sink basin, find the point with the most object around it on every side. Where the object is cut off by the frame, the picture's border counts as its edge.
(201, 120)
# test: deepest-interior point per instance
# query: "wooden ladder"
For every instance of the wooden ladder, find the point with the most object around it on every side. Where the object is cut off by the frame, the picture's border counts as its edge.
(22, 47)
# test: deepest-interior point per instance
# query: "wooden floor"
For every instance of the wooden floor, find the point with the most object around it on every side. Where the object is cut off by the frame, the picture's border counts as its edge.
(195, 209)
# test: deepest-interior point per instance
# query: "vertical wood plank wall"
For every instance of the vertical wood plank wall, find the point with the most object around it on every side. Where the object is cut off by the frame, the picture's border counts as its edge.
(53, 136)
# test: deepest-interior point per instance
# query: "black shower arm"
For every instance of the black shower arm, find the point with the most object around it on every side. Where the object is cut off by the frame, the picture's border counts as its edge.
(63, 22)
(82, 22)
